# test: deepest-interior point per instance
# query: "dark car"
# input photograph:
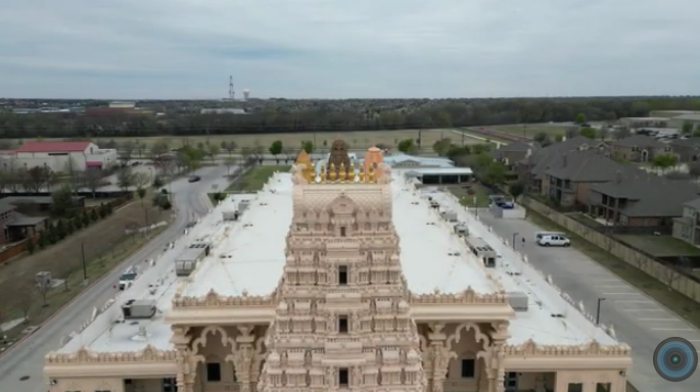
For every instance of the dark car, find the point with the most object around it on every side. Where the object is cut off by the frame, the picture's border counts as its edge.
(194, 179)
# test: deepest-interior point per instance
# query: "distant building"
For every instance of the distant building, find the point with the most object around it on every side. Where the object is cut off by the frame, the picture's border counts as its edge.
(122, 105)
(60, 156)
(246, 94)
(222, 111)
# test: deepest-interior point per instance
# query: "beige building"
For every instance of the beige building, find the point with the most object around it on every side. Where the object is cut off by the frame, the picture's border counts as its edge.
(339, 280)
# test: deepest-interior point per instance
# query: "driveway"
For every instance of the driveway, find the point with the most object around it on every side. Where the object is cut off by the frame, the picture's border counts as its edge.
(638, 320)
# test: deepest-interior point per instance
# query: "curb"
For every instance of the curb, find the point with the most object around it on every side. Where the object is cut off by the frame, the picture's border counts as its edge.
(59, 310)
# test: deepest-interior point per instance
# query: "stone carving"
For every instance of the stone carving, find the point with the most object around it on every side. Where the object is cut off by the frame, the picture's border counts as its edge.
(84, 355)
(593, 348)
(213, 299)
(469, 296)
(339, 155)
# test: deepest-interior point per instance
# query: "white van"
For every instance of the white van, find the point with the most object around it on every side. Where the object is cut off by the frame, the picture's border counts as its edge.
(541, 234)
(554, 240)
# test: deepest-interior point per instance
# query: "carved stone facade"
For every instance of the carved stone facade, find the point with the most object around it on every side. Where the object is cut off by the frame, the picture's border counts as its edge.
(343, 319)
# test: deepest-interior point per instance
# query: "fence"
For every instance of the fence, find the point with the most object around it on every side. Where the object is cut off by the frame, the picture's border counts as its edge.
(12, 251)
(499, 135)
(685, 284)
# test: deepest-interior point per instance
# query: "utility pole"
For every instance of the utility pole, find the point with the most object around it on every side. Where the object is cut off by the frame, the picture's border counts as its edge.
(82, 251)
(597, 314)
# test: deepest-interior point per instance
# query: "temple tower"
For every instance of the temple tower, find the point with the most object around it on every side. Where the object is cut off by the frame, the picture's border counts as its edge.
(343, 320)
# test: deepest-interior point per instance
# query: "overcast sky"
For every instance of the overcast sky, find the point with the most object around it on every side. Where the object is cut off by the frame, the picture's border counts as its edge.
(348, 48)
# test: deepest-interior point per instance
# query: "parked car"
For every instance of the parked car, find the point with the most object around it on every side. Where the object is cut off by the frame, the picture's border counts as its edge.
(194, 179)
(554, 240)
(127, 278)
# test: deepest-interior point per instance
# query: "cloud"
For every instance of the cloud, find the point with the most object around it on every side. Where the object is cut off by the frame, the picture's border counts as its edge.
(359, 48)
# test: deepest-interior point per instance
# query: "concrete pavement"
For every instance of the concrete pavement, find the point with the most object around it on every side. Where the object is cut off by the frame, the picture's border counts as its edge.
(27, 357)
(638, 320)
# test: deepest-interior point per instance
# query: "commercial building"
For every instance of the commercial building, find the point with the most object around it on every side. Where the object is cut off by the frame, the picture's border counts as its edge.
(59, 156)
(341, 279)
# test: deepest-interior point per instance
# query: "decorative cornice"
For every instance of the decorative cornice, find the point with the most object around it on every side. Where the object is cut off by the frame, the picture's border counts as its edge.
(85, 355)
(592, 348)
(468, 296)
(213, 299)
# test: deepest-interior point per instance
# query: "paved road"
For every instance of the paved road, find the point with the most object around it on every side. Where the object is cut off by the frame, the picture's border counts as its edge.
(26, 359)
(638, 320)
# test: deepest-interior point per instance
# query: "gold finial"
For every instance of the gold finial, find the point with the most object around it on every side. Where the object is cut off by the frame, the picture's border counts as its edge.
(323, 174)
(351, 172)
(361, 174)
(342, 173)
(332, 175)
(370, 175)
(352, 168)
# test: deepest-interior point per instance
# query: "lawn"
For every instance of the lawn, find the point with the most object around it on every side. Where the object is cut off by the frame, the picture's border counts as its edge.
(254, 179)
(357, 140)
(105, 244)
(530, 130)
(585, 219)
(675, 301)
(660, 246)
(466, 198)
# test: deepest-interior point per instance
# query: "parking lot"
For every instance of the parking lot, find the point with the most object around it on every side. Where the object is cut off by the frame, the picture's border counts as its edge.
(638, 320)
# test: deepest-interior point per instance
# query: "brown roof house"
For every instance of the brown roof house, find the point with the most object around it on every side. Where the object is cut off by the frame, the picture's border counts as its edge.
(687, 227)
(567, 179)
(531, 169)
(639, 148)
(512, 153)
(641, 199)
(687, 150)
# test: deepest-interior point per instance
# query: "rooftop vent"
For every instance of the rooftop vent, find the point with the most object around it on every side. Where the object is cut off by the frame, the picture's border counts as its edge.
(139, 309)
(557, 315)
(518, 300)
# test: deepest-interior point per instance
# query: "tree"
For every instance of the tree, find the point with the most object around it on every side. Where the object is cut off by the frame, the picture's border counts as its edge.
(213, 151)
(229, 163)
(141, 179)
(516, 189)
(308, 146)
(26, 300)
(141, 193)
(43, 289)
(159, 149)
(37, 178)
(228, 146)
(407, 146)
(587, 133)
(126, 150)
(92, 178)
(162, 201)
(687, 128)
(31, 246)
(276, 149)
(62, 201)
(664, 161)
(580, 119)
(542, 138)
(125, 178)
(442, 146)
(494, 174)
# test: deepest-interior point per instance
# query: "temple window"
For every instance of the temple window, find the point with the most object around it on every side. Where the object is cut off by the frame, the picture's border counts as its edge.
(343, 377)
(213, 372)
(343, 324)
(468, 368)
(603, 387)
(343, 275)
(169, 385)
(342, 231)
(575, 387)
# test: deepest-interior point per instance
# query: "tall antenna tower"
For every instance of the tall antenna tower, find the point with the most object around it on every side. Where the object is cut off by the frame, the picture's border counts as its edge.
(231, 93)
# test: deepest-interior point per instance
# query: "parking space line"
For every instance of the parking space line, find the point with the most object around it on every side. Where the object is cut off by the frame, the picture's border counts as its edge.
(621, 293)
(659, 319)
(641, 301)
(671, 329)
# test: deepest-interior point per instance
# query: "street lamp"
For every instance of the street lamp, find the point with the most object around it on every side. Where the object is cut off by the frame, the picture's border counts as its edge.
(597, 313)
(515, 235)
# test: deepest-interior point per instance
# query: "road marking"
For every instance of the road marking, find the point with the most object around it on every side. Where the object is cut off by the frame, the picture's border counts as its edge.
(613, 286)
(634, 301)
(659, 319)
(644, 310)
(621, 293)
(671, 329)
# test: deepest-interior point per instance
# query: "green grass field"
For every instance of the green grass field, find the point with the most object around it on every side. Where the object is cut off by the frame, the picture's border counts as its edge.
(530, 130)
(254, 179)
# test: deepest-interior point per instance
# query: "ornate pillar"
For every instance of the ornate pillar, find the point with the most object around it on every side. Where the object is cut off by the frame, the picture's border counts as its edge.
(497, 371)
(186, 366)
(243, 357)
(439, 356)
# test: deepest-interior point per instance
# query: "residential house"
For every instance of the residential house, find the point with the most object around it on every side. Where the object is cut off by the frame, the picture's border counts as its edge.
(531, 168)
(569, 176)
(687, 150)
(687, 227)
(639, 148)
(15, 226)
(641, 199)
(512, 153)
(7, 215)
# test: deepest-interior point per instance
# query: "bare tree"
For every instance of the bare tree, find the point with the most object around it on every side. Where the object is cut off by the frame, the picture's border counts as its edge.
(126, 150)
(26, 300)
(141, 179)
(43, 288)
(669, 275)
(37, 178)
(92, 179)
